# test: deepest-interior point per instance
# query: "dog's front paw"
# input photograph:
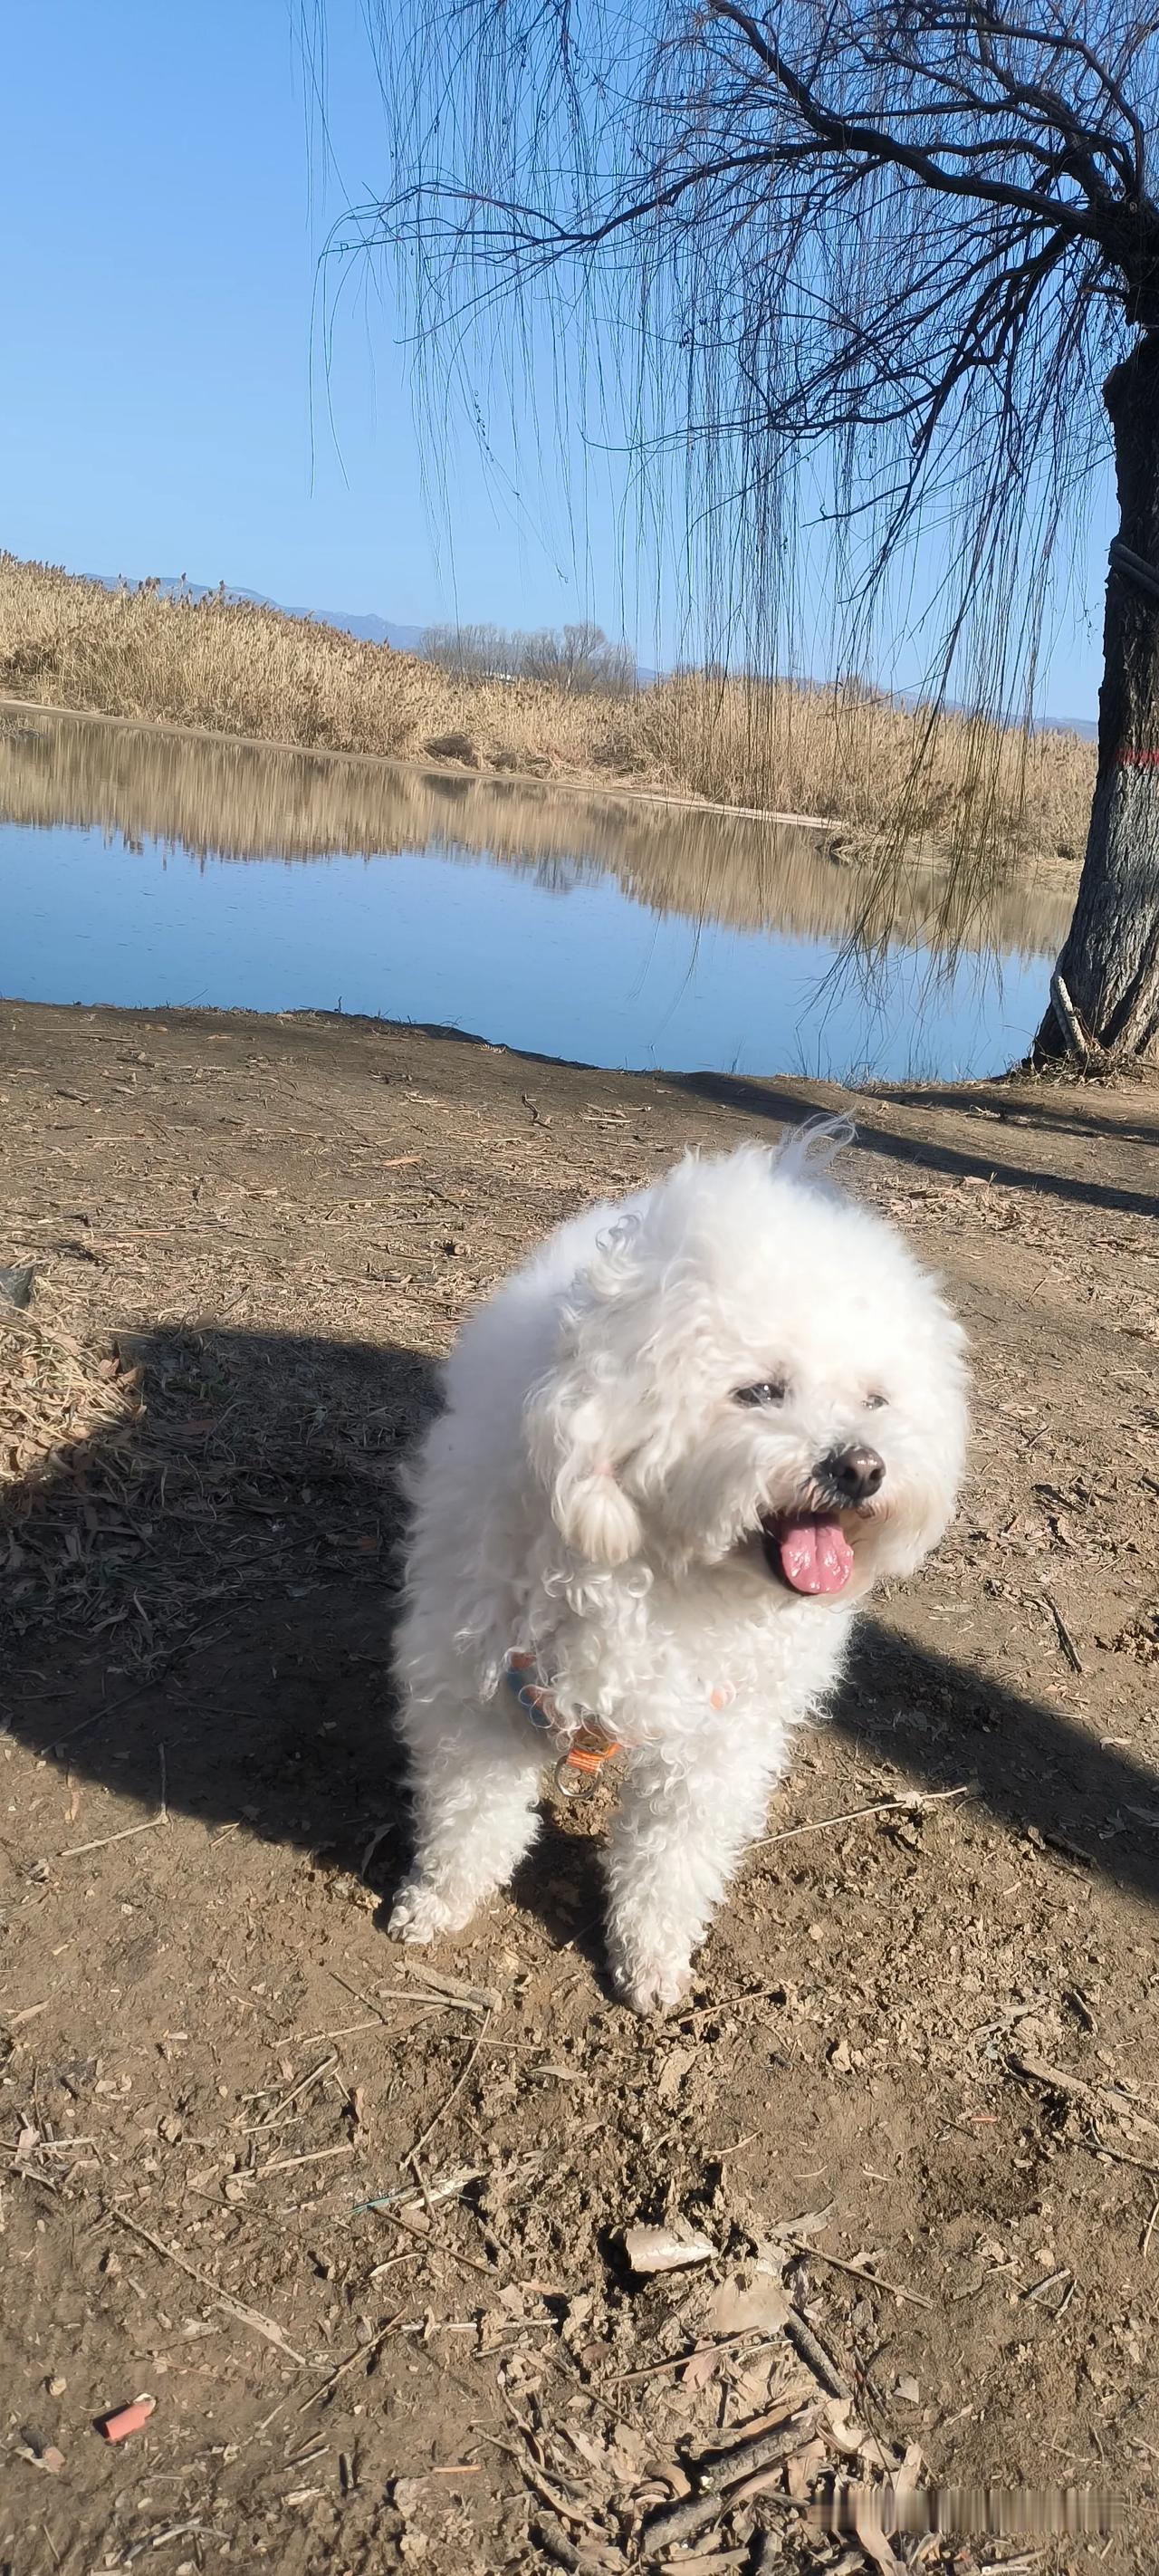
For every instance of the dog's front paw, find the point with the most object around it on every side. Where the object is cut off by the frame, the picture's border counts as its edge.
(651, 1985)
(419, 1914)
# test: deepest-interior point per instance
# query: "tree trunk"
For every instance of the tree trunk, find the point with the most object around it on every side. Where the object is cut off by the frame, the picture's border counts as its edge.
(1109, 969)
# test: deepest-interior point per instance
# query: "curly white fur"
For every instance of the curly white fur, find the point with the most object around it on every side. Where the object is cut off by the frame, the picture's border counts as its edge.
(607, 1493)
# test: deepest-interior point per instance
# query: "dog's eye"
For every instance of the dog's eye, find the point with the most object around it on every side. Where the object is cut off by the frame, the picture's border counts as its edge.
(772, 1390)
(875, 1403)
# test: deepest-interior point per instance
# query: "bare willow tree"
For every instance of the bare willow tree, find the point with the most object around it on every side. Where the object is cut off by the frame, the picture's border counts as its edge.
(896, 245)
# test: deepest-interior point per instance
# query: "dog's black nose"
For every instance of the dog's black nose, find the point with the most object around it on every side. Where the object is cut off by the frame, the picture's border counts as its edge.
(853, 1474)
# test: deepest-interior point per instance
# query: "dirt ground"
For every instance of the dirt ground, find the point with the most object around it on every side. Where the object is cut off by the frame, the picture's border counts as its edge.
(354, 2218)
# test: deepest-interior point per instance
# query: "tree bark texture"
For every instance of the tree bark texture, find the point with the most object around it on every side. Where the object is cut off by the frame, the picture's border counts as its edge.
(1110, 964)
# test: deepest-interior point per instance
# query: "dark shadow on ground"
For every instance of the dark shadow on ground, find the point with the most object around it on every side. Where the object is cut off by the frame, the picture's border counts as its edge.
(1057, 1111)
(219, 1577)
(215, 1583)
(764, 1100)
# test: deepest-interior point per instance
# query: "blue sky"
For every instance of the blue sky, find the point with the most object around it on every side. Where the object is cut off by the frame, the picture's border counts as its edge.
(168, 405)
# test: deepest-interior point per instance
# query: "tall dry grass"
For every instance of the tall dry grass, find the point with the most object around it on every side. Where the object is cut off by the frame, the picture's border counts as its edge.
(229, 668)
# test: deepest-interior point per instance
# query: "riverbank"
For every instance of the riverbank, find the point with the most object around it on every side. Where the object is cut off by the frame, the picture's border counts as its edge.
(252, 1240)
(230, 668)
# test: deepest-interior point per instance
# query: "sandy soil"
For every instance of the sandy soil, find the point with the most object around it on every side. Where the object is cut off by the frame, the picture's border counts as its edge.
(922, 2041)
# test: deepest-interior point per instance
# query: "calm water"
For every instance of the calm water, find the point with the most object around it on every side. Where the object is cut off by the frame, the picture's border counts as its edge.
(138, 868)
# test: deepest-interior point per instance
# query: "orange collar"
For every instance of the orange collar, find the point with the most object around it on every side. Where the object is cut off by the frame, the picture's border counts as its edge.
(586, 1751)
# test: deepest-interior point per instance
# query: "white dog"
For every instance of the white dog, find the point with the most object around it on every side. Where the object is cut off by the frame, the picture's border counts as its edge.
(678, 1449)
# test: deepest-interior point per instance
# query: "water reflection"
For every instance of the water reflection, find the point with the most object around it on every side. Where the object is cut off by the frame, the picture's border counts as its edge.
(611, 928)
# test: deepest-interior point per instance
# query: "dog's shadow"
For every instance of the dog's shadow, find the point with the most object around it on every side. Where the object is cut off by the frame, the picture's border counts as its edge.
(200, 1600)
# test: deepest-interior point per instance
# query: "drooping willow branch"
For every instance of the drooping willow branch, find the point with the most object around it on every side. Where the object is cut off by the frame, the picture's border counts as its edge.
(891, 245)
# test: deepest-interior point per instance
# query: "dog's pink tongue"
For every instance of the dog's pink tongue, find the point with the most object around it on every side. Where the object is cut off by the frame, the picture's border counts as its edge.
(815, 1555)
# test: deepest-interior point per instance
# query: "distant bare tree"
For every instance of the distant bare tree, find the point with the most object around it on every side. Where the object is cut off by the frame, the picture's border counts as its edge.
(898, 242)
(470, 652)
(575, 658)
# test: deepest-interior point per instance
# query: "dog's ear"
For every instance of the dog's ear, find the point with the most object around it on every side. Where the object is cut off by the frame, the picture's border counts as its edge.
(579, 1417)
(596, 1517)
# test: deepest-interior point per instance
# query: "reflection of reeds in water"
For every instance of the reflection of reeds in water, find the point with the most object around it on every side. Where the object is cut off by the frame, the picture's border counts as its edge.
(236, 801)
(231, 668)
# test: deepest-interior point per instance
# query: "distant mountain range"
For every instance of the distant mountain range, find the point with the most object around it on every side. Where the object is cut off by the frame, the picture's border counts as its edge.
(371, 630)
(408, 639)
(1085, 726)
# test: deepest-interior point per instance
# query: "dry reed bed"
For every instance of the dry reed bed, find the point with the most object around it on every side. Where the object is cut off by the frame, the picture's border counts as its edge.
(236, 800)
(56, 1395)
(228, 667)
